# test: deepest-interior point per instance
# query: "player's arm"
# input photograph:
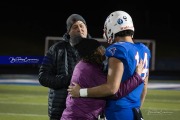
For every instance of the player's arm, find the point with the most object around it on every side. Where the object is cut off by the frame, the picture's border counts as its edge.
(131, 83)
(143, 95)
(114, 77)
(115, 71)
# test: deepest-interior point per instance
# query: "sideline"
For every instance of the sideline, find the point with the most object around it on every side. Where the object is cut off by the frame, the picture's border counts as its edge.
(33, 80)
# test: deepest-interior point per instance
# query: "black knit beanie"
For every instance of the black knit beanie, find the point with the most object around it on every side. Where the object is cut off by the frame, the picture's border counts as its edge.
(72, 19)
(87, 46)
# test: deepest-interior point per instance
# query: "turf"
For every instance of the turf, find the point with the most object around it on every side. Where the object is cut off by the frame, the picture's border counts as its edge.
(162, 105)
(23, 102)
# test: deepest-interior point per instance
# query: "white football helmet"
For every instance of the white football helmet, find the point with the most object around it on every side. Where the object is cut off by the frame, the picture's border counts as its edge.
(117, 21)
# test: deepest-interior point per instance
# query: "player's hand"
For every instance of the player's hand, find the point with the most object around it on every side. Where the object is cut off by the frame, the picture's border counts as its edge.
(74, 90)
(140, 67)
(146, 80)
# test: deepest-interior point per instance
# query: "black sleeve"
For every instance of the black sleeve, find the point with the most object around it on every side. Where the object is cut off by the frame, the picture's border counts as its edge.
(47, 73)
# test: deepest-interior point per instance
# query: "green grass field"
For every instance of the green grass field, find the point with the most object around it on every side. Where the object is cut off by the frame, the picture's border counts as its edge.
(22, 102)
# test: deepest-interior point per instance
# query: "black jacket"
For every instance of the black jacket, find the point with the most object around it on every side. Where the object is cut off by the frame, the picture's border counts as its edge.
(55, 73)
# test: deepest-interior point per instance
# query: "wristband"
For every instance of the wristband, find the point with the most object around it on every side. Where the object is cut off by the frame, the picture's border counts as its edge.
(83, 92)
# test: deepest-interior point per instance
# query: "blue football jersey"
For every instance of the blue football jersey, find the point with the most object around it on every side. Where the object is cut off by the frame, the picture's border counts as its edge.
(130, 54)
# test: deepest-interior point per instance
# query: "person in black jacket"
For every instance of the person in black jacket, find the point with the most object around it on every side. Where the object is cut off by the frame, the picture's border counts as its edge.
(58, 64)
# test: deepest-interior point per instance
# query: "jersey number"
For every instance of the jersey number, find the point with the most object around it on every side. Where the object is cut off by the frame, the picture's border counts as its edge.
(145, 60)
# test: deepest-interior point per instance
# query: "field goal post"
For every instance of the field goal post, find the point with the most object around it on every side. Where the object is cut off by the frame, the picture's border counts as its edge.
(151, 44)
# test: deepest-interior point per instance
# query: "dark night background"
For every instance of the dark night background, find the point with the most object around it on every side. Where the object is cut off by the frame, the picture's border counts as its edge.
(24, 26)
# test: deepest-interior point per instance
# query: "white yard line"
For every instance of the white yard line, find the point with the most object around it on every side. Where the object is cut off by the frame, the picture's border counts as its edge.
(18, 114)
(21, 81)
(36, 82)
(4, 102)
(164, 86)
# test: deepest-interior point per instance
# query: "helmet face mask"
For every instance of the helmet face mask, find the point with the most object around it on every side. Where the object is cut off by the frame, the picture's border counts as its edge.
(107, 37)
(116, 22)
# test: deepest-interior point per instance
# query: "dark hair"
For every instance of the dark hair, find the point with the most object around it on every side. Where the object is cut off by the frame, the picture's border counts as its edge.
(95, 58)
(86, 46)
(88, 50)
(124, 33)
